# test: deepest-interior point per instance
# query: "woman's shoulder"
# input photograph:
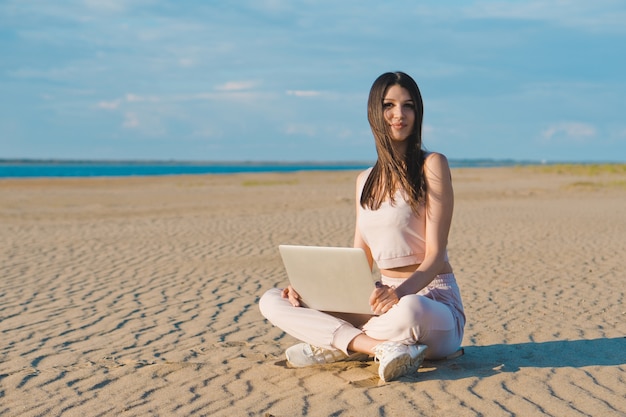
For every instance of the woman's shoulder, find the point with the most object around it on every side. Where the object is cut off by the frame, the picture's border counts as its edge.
(436, 164)
(363, 175)
(434, 155)
(435, 159)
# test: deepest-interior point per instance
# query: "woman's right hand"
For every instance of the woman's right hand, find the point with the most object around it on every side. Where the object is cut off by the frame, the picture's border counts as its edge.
(292, 295)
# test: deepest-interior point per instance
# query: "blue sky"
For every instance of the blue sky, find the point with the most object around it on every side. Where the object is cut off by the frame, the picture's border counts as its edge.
(288, 80)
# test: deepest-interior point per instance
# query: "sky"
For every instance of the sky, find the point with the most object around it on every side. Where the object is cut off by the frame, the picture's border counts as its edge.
(280, 80)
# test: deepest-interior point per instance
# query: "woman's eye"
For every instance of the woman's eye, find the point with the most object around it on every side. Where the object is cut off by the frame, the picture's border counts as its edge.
(409, 105)
(387, 105)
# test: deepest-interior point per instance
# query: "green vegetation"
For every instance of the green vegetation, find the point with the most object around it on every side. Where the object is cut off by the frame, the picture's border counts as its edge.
(582, 169)
(605, 171)
(591, 185)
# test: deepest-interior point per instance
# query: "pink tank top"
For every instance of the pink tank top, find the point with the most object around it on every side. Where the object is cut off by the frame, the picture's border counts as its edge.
(394, 233)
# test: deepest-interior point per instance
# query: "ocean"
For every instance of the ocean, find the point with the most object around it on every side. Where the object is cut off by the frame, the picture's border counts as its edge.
(51, 169)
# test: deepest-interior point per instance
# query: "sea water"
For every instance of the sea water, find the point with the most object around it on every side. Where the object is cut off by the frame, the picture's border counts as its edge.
(33, 169)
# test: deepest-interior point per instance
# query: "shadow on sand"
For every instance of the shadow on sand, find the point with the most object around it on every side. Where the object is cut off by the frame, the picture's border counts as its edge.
(480, 361)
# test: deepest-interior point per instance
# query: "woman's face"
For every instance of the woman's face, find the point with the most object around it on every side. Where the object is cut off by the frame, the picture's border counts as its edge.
(399, 112)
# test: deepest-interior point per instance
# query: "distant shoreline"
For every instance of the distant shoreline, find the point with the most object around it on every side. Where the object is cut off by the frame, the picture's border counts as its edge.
(453, 161)
(27, 161)
(54, 168)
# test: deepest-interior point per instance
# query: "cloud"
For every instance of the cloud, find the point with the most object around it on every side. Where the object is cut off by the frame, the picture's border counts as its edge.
(186, 62)
(128, 98)
(236, 86)
(230, 93)
(618, 133)
(569, 131)
(300, 130)
(599, 15)
(144, 123)
(303, 93)
(131, 120)
(109, 6)
(134, 98)
(206, 132)
(427, 129)
(109, 105)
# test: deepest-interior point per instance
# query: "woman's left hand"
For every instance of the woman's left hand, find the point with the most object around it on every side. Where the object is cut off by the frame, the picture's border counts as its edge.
(383, 298)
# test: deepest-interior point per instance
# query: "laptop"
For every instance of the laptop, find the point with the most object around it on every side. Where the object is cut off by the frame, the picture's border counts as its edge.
(330, 279)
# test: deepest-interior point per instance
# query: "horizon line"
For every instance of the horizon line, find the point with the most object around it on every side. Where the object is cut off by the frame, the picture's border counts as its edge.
(248, 162)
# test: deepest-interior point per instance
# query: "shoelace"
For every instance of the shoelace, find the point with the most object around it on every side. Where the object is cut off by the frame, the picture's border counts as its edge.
(322, 355)
(381, 349)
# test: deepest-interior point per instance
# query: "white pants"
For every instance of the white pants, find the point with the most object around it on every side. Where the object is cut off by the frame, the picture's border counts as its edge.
(433, 317)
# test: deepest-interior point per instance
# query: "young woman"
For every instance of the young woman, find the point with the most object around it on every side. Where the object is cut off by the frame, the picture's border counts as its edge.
(403, 216)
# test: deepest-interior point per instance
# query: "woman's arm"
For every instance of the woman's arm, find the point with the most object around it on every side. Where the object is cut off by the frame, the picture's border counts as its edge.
(359, 242)
(439, 208)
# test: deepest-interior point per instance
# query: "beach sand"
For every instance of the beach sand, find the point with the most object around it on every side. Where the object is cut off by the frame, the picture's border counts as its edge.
(139, 297)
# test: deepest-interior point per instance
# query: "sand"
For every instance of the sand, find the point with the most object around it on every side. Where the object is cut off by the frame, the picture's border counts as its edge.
(138, 297)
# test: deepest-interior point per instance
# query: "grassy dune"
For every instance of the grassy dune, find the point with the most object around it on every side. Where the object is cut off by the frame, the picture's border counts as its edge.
(582, 169)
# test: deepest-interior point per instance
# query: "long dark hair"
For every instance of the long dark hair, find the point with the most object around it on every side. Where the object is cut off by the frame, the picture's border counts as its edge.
(391, 170)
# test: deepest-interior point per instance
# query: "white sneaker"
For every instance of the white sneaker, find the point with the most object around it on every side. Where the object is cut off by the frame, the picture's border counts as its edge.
(397, 359)
(304, 354)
